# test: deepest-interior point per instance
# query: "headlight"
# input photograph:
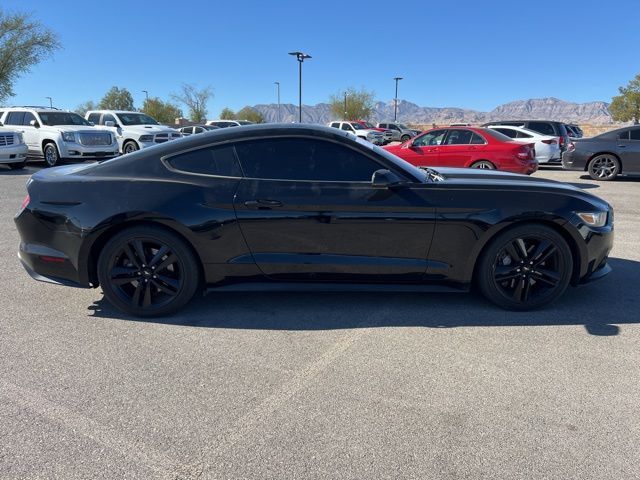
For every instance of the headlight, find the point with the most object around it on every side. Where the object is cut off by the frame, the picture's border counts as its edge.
(146, 138)
(593, 219)
(68, 137)
(20, 138)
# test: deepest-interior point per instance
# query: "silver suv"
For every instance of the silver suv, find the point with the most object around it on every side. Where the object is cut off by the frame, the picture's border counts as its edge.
(374, 136)
(399, 131)
(56, 135)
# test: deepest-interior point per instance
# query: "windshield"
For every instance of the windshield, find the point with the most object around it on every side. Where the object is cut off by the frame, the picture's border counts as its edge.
(357, 126)
(62, 118)
(368, 124)
(136, 119)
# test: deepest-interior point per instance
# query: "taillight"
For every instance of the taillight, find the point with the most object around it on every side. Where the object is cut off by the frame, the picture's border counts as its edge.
(562, 141)
(524, 152)
(25, 202)
(551, 141)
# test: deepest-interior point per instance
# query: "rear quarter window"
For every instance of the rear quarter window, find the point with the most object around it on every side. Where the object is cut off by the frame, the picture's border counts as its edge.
(544, 128)
(220, 161)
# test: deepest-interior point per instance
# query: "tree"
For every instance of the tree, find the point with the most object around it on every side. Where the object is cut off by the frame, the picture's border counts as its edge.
(195, 100)
(251, 114)
(85, 107)
(163, 112)
(227, 114)
(626, 106)
(117, 99)
(359, 104)
(23, 43)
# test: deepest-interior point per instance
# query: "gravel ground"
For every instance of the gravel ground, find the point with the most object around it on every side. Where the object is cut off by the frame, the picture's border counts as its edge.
(336, 386)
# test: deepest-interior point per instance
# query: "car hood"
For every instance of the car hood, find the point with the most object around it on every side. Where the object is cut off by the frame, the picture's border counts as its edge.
(148, 129)
(505, 180)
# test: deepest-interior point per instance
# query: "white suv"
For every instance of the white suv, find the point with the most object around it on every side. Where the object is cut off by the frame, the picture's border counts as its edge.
(374, 136)
(56, 135)
(228, 123)
(13, 150)
(133, 130)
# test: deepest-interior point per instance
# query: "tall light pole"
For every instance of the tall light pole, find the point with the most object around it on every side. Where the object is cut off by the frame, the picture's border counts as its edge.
(301, 57)
(278, 88)
(395, 105)
(146, 95)
(50, 102)
(345, 106)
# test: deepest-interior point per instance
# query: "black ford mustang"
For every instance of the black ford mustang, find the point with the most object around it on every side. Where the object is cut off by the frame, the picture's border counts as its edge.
(303, 207)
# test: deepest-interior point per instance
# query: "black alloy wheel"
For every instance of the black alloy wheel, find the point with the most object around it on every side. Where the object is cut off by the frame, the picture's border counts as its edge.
(525, 268)
(147, 271)
(604, 167)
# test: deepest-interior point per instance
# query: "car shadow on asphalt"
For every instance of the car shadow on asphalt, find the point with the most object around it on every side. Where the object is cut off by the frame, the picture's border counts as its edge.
(600, 307)
(619, 178)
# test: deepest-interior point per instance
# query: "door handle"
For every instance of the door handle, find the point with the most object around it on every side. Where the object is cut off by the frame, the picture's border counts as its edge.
(263, 204)
(622, 146)
(472, 148)
(435, 149)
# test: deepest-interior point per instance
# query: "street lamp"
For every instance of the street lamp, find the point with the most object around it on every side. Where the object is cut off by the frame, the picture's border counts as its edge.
(345, 106)
(278, 87)
(301, 57)
(50, 102)
(146, 95)
(395, 106)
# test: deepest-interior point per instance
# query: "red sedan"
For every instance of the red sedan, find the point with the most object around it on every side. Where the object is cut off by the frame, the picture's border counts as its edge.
(468, 147)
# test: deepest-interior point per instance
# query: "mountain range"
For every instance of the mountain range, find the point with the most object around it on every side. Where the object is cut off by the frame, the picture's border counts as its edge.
(532, 109)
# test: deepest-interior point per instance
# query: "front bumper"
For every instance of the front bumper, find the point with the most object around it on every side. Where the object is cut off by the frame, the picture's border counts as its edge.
(83, 152)
(13, 154)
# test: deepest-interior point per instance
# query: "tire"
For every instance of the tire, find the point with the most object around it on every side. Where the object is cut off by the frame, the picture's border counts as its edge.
(525, 268)
(148, 271)
(17, 165)
(604, 167)
(51, 154)
(484, 164)
(405, 138)
(129, 147)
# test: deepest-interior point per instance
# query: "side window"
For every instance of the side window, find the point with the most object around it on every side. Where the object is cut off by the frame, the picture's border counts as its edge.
(542, 127)
(28, 116)
(624, 135)
(198, 129)
(1, 114)
(14, 118)
(507, 131)
(94, 117)
(347, 127)
(211, 161)
(335, 125)
(477, 139)
(434, 137)
(304, 159)
(107, 117)
(459, 137)
(394, 127)
(382, 125)
(635, 134)
(523, 135)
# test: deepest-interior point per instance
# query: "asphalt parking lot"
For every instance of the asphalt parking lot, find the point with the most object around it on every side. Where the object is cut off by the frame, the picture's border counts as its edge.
(336, 386)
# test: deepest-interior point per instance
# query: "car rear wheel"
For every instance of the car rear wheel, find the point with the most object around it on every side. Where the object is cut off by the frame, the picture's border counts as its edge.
(604, 167)
(525, 268)
(148, 271)
(484, 164)
(17, 165)
(51, 155)
(130, 146)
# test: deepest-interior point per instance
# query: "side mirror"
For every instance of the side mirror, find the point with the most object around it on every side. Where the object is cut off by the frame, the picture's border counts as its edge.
(109, 123)
(92, 124)
(34, 123)
(386, 179)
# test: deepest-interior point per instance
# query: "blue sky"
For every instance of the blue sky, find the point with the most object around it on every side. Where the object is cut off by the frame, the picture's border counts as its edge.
(472, 54)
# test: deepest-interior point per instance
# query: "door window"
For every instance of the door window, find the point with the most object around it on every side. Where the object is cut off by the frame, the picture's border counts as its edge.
(304, 159)
(95, 118)
(459, 137)
(507, 131)
(210, 161)
(523, 135)
(347, 127)
(28, 116)
(107, 117)
(624, 135)
(335, 124)
(635, 134)
(198, 129)
(544, 128)
(434, 137)
(15, 118)
(477, 139)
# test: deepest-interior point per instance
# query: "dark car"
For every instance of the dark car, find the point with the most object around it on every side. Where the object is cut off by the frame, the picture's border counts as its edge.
(194, 129)
(304, 207)
(545, 127)
(574, 130)
(607, 155)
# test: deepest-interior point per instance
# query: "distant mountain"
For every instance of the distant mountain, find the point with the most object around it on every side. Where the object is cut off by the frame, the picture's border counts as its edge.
(542, 108)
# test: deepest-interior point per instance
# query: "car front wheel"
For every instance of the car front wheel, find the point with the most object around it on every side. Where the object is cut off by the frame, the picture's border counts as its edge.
(147, 271)
(525, 268)
(51, 155)
(604, 167)
(484, 164)
(130, 146)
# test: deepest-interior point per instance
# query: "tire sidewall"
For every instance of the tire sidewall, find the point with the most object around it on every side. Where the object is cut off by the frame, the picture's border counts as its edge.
(51, 147)
(189, 265)
(128, 144)
(610, 177)
(485, 273)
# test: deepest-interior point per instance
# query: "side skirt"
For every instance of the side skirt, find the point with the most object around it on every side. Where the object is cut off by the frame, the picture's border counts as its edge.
(332, 287)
